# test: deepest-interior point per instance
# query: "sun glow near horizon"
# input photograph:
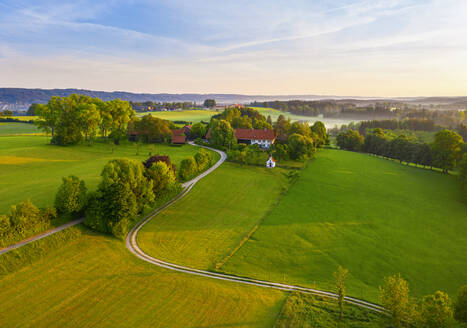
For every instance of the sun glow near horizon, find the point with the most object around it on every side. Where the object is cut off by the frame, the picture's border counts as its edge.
(347, 48)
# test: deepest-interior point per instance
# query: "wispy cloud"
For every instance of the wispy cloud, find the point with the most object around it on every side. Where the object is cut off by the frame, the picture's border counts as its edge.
(296, 46)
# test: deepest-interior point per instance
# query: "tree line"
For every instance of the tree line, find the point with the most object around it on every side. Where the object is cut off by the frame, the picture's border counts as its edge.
(72, 119)
(446, 152)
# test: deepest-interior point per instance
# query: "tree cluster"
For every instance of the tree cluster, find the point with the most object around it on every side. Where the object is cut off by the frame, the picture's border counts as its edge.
(151, 129)
(209, 103)
(432, 311)
(74, 118)
(191, 166)
(151, 105)
(127, 187)
(243, 118)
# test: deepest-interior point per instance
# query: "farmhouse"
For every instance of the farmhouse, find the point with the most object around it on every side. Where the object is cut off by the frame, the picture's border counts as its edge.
(262, 137)
(179, 136)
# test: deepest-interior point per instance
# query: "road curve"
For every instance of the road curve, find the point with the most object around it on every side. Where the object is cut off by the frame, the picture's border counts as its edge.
(132, 245)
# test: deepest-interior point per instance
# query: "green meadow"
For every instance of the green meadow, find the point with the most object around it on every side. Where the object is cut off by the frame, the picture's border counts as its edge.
(31, 168)
(373, 216)
(205, 227)
(76, 278)
(193, 116)
(12, 128)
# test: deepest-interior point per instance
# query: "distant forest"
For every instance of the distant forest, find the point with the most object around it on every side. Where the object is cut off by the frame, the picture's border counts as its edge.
(447, 114)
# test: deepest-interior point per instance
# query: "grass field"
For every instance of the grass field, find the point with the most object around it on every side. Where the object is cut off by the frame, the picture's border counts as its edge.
(193, 116)
(11, 128)
(80, 279)
(202, 229)
(307, 311)
(24, 118)
(372, 216)
(31, 168)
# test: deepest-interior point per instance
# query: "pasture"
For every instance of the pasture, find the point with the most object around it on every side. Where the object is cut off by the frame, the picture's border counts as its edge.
(31, 168)
(372, 216)
(193, 116)
(205, 227)
(76, 278)
(12, 128)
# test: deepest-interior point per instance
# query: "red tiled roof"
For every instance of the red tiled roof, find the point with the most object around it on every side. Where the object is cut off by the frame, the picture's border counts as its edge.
(178, 139)
(255, 134)
(251, 134)
(178, 132)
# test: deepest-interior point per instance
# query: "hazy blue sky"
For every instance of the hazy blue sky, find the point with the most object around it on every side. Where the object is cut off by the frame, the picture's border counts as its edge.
(341, 47)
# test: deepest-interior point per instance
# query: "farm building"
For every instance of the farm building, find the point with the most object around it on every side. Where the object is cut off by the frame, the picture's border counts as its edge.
(263, 138)
(271, 162)
(179, 136)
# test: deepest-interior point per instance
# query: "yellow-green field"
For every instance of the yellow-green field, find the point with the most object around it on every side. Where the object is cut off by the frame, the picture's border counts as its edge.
(193, 116)
(31, 168)
(93, 281)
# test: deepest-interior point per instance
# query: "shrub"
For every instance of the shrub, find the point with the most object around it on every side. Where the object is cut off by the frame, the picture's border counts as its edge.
(71, 196)
(163, 178)
(24, 220)
(300, 146)
(188, 168)
(203, 159)
(436, 311)
(5, 225)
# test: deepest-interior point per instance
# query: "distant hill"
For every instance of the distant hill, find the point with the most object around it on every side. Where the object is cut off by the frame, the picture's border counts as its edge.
(20, 98)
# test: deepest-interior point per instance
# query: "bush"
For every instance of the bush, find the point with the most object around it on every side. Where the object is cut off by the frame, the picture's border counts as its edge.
(71, 196)
(163, 178)
(24, 220)
(5, 225)
(300, 146)
(436, 311)
(188, 168)
(203, 159)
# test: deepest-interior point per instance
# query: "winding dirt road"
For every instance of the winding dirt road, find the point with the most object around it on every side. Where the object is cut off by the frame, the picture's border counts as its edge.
(132, 245)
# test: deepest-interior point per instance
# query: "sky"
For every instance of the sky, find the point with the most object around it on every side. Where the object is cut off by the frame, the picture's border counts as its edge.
(270, 47)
